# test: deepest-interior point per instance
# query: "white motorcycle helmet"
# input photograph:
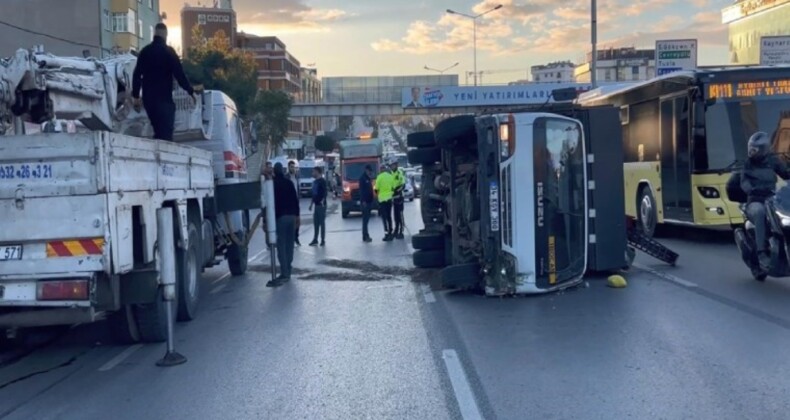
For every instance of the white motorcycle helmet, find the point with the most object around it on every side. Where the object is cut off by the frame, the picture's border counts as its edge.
(759, 145)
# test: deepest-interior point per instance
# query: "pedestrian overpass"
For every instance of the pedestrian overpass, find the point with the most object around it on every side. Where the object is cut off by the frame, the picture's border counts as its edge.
(347, 109)
(443, 100)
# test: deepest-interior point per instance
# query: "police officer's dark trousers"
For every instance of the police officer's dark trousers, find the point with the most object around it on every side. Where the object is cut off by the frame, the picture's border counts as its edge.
(162, 114)
(385, 208)
(397, 205)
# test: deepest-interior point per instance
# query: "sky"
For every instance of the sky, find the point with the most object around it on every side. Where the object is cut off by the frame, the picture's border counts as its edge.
(374, 37)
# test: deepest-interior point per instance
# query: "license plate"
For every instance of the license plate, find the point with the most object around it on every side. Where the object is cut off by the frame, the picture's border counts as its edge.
(26, 171)
(494, 205)
(10, 252)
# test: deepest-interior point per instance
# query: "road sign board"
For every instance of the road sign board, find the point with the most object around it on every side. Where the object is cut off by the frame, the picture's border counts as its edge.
(774, 50)
(675, 55)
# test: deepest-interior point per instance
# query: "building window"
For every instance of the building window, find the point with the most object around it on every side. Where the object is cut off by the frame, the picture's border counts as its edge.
(151, 4)
(635, 70)
(140, 28)
(107, 21)
(151, 31)
(124, 22)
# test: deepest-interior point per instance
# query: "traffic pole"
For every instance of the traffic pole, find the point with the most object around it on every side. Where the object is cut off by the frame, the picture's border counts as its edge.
(167, 249)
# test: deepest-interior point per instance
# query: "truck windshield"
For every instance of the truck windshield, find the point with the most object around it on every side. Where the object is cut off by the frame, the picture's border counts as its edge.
(305, 173)
(353, 171)
(559, 167)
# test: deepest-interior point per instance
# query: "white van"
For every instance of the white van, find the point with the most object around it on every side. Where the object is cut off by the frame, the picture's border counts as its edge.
(306, 175)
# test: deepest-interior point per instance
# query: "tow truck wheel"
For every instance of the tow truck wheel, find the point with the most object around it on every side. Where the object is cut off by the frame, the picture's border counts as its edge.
(425, 156)
(456, 130)
(648, 214)
(429, 259)
(428, 241)
(421, 139)
(188, 277)
(152, 319)
(124, 326)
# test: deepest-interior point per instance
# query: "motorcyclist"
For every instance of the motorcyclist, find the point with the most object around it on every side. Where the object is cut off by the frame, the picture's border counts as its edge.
(758, 181)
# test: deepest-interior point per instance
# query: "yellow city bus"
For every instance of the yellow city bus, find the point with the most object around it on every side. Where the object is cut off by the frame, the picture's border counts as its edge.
(682, 134)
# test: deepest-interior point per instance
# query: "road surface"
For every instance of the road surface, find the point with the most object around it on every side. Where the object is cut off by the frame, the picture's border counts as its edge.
(359, 333)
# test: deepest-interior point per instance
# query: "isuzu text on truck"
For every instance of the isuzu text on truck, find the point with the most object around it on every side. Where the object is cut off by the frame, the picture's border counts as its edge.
(82, 214)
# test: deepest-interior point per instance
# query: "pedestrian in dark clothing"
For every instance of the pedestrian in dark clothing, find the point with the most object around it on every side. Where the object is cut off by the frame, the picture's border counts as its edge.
(286, 211)
(366, 198)
(157, 66)
(320, 191)
(758, 181)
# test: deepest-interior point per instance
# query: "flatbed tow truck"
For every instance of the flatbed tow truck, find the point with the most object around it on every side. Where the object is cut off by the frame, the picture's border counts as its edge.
(104, 222)
(526, 200)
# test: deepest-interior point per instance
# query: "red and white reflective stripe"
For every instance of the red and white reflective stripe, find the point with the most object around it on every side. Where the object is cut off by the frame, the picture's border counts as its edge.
(233, 163)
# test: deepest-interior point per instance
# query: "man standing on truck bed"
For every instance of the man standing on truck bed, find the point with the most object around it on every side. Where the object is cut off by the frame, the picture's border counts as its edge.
(286, 210)
(385, 185)
(156, 67)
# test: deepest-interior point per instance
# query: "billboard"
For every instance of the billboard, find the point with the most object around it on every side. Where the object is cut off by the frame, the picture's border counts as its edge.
(675, 55)
(458, 96)
(774, 50)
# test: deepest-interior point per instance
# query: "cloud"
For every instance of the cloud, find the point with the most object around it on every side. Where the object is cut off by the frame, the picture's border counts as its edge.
(558, 26)
(544, 25)
(275, 15)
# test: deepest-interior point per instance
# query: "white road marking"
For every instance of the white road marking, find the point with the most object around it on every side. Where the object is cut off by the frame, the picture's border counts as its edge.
(255, 257)
(218, 288)
(461, 387)
(666, 276)
(115, 361)
(224, 276)
(427, 293)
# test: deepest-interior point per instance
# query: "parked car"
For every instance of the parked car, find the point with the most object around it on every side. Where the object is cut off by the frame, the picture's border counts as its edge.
(409, 190)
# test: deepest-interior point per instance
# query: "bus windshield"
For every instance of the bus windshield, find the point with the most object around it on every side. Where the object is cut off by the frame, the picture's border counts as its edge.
(729, 124)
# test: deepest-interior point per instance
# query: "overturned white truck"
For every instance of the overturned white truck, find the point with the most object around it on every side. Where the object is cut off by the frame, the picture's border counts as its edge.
(526, 200)
(78, 210)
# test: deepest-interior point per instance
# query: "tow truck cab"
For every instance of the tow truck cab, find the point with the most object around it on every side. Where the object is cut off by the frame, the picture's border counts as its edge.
(355, 155)
(513, 197)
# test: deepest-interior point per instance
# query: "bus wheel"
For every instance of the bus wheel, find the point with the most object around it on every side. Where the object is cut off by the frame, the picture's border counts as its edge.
(648, 215)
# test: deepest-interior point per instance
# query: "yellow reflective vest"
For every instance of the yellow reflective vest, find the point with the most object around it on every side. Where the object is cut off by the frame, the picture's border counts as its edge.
(385, 185)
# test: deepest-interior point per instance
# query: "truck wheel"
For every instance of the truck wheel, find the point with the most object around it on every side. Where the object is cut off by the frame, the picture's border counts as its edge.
(428, 259)
(124, 326)
(188, 277)
(421, 139)
(208, 243)
(428, 241)
(456, 130)
(648, 214)
(237, 259)
(152, 319)
(461, 276)
(425, 156)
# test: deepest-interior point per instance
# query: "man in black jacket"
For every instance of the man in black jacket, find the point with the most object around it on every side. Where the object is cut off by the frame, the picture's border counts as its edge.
(366, 200)
(320, 191)
(758, 181)
(156, 67)
(286, 211)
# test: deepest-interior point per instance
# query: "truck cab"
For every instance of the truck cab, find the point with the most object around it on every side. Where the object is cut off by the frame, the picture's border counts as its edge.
(507, 202)
(354, 156)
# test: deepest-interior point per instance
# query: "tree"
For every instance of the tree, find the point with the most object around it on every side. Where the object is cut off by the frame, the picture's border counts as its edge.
(325, 144)
(270, 111)
(214, 64)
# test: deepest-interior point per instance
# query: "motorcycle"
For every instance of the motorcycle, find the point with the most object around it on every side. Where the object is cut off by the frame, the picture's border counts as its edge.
(777, 210)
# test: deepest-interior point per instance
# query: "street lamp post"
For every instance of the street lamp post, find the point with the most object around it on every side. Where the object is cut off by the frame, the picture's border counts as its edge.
(594, 36)
(443, 70)
(474, 31)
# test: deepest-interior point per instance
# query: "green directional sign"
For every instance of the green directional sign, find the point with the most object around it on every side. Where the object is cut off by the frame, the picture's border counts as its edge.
(674, 55)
